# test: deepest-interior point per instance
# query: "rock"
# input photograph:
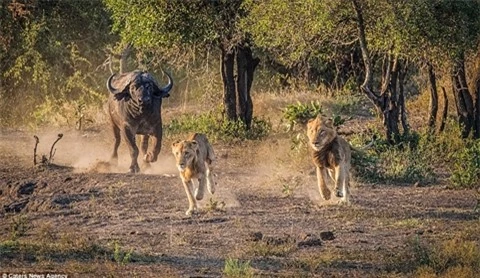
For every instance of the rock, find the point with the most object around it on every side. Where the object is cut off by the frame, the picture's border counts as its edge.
(26, 188)
(310, 241)
(255, 236)
(327, 235)
(16, 206)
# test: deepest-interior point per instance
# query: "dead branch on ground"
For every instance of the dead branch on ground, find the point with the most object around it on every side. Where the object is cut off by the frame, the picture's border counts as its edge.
(44, 160)
(35, 149)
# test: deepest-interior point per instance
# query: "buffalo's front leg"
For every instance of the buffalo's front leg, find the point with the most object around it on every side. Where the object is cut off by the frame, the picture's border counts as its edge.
(144, 150)
(152, 154)
(132, 146)
(144, 145)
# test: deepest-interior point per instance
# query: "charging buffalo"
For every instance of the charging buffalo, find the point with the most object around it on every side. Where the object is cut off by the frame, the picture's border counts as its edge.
(134, 106)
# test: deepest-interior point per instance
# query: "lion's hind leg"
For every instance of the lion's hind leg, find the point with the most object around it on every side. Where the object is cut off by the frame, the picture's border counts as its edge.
(346, 187)
(210, 179)
(342, 183)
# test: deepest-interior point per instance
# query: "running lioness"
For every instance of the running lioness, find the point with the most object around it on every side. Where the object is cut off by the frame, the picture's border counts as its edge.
(194, 157)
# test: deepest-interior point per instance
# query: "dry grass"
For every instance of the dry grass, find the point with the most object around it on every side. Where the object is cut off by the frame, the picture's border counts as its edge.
(134, 225)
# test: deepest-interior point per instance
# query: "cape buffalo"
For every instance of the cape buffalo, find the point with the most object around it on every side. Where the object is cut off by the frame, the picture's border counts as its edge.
(134, 106)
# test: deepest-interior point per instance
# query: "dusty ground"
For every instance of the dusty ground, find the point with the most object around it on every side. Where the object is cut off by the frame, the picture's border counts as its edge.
(80, 220)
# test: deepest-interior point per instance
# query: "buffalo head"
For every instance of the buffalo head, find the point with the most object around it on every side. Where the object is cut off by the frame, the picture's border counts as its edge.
(139, 87)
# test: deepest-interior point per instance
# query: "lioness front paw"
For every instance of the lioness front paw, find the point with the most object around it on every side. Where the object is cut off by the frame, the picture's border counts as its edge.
(339, 194)
(198, 194)
(191, 212)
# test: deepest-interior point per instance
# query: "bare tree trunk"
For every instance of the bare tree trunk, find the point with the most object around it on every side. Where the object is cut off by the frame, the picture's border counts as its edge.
(367, 83)
(390, 110)
(463, 99)
(477, 106)
(123, 57)
(246, 65)
(401, 98)
(229, 98)
(445, 111)
(433, 106)
(386, 102)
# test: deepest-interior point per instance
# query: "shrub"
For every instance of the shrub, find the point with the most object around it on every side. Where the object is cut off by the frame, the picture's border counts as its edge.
(466, 166)
(406, 164)
(235, 268)
(346, 102)
(217, 128)
(409, 161)
(451, 256)
(300, 113)
(19, 226)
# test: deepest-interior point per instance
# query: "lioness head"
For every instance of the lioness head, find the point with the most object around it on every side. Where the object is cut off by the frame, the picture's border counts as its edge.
(184, 152)
(320, 132)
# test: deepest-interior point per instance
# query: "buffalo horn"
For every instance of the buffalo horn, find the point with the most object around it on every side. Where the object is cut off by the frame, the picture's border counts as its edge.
(164, 91)
(109, 85)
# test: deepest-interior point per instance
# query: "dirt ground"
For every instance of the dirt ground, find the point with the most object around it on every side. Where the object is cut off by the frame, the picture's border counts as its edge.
(87, 220)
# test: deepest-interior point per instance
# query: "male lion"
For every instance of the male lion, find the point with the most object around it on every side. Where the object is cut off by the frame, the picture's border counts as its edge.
(332, 153)
(193, 158)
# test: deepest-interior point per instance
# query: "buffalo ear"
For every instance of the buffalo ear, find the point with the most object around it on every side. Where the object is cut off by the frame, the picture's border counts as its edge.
(159, 93)
(125, 95)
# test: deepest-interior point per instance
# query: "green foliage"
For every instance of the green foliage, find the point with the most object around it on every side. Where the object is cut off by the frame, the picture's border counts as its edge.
(48, 61)
(300, 113)
(236, 268)
(416, 157)
(407, 164)
(120, 256)
(338, 120)
(366, 166)
(217, 128)
(466, 166)
(443, 257)
(276, 247)
(19, 226)
(346, 103)
(215, 205)
(289, 186)
(302, 28)
(168, 27)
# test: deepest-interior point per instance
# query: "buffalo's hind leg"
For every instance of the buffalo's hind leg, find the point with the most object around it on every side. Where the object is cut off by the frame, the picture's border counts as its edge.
(116, 135)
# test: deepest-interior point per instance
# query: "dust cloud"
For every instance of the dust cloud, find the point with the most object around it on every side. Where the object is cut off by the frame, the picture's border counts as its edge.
(84, 151)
